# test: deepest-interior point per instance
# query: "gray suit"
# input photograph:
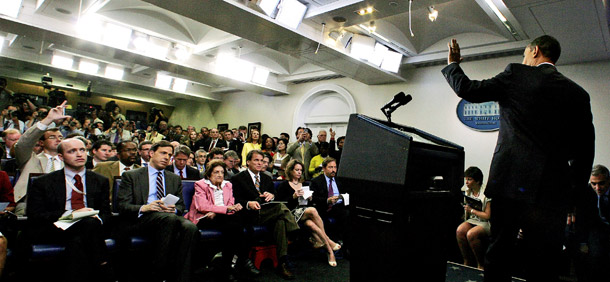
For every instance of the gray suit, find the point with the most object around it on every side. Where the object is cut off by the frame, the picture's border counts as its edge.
(310, 151)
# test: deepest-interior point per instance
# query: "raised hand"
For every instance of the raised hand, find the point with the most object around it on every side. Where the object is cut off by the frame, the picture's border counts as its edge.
(454, 55)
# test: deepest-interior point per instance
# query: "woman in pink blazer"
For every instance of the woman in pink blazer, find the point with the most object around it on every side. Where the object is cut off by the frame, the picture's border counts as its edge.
(214, 207)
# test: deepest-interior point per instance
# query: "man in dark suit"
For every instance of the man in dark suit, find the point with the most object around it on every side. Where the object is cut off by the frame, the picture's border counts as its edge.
(179, 166)
(232, 143)
(328, 201)
(215, 141)
(141, 205)
(593, 227)
(254, 190)
(51, 197)
(537, 170)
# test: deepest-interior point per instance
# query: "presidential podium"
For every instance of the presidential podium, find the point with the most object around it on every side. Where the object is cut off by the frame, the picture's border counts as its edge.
(404, 187)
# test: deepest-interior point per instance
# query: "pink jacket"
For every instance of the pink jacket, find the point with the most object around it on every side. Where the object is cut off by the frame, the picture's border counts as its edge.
(203, 200)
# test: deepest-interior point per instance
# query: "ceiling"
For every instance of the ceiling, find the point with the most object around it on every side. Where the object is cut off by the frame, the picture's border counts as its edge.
(228, 40)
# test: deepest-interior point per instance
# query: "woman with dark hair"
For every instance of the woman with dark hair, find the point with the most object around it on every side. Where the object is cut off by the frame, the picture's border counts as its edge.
(473, 233)
(268, 146)
(279, 156)
(214, 207)
(252, 143)
(191, 141)
(291, 191)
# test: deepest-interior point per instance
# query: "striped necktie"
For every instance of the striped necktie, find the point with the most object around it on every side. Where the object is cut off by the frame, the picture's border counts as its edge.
(257, 183)
(160, 190)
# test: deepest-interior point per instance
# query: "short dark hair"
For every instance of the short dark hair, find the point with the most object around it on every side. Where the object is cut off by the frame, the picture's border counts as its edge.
(213, 152)
(308, 131)
(252, 153)
(324, 145)
(54, 129)
(328, 160)
(548, 46)
(296, 133)
(474, 173)
(264, 143)
(183, 149)
(122, 144)
(340, 138)
(144, 143)
(213, 164)
(160, 144)
(242, 127)
(284, 135)
(98, 144)
(600, 170)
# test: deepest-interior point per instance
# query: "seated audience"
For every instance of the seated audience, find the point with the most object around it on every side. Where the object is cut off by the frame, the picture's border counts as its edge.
(200, 160)
(192, 140)
(267, 165)
(315, 166)
(10, 137)
(251, 189)
(143, 149)
(214, 207)
(80, 190)
(141, 206)
(473, 233)
(215, 141)
(215, 154)
(291, 191)
(231, 159)
(328, 201)
(127, 161)
(44, 162)
(179, 166)
(252, 143)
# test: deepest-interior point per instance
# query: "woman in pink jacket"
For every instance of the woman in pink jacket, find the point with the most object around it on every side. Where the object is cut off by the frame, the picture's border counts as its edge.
(214, 207)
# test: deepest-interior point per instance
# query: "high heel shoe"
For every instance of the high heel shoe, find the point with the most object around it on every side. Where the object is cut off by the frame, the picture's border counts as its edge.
(331, 263)
(336, 247)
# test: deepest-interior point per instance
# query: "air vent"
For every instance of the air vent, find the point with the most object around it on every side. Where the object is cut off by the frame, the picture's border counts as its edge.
(318, 79)
(471, 58)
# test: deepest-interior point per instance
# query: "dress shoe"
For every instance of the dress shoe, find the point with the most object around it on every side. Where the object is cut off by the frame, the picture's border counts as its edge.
(285, 271)
(248, 268)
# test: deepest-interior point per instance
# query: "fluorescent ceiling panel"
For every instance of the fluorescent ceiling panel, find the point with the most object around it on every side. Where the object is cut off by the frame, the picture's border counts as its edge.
(140, 42)
(157, 47)
(163, 81)
(62, 61)
(116, 35)
(10, 7)
(291, 13)
(88, 66)
(269, 7)
(378, 54)
(90, 27)
(179, 85)
(114, 72)
(391, 61)
(362, 47)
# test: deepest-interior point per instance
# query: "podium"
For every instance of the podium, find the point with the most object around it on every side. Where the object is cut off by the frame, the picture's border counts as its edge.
(404, 187)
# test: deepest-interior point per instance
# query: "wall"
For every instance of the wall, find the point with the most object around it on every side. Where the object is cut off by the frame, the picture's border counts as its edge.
(193, 113)
(433, 108)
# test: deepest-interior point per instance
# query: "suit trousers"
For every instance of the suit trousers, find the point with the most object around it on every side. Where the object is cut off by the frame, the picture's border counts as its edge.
(174, 238)
(543, 235)
(278, 217)
(234, 240)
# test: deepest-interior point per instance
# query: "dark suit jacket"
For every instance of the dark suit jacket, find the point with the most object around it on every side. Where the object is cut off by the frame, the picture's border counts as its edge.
(219, 144)
(46, 200)
(133, 191)
(191, 173)
(587, 216)
(245, 191)
(545, 122)
(320, 193)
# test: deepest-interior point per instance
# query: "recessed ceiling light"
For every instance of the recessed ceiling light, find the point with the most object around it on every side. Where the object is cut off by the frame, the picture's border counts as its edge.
(339, 19)
(365, 11)
(63, 11)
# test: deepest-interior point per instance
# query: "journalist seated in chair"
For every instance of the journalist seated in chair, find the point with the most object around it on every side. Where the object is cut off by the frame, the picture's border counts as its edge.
(473, 233)
(291, 191)
(214, 207)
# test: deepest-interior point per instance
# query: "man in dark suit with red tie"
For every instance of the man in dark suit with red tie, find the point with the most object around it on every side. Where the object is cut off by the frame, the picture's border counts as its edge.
(328, 201)
(141, 206)
(179, 166)
(542, 159)
(60, 193)
(215, 141)
(254, 190)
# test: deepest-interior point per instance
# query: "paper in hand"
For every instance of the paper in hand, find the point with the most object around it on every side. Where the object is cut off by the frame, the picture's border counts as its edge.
(306, 194)
(170, 200)
(345, 198)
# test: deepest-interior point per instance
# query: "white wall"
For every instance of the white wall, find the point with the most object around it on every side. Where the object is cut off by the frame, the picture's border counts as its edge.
(194, 113)
(433, 108)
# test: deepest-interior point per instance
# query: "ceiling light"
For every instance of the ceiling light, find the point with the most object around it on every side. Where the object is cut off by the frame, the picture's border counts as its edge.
(260, 76)
(179, 52)
(370, 28)
(158, 47)
(391, 61)
(62, 61)
(365, 11)
(432, 13)
(140, 42)
(10, 8)
(88, 66)
(163, 81)
(291, 13)
(378, 54)
(116, 35)
(269, 7)
(179, 85)
(90, 27)
(496, 11)
(114, 72)
(362, 47)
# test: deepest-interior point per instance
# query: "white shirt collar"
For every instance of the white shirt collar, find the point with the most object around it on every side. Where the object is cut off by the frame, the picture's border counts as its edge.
(222, 185)
(70, 174)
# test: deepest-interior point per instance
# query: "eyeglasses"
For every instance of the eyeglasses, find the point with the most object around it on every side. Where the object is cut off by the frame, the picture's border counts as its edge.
(601, 183)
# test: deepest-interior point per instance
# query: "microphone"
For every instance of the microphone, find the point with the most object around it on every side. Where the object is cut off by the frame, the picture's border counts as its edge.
(399, 100)
(397, 97)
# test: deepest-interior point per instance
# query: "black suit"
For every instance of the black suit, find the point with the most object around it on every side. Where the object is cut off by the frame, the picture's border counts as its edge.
(339, 211)
(593, 231)
(173, 236)
(277, 216)
(220, 143)
(84, 240)
(191, 173)
(542, 161)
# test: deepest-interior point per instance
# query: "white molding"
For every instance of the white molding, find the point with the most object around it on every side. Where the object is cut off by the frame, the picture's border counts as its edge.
(300, 114)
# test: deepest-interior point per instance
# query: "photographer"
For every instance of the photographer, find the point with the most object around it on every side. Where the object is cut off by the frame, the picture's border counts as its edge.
(119, 131)
(156, 116)
(10, 119)
(73, 127)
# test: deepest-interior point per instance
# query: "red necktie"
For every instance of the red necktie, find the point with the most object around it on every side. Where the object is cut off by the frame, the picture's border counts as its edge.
(181, 175)
(212, 145)
(77, 198)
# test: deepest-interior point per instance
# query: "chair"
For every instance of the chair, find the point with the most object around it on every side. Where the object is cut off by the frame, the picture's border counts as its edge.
(115, 194)
(188, 190)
